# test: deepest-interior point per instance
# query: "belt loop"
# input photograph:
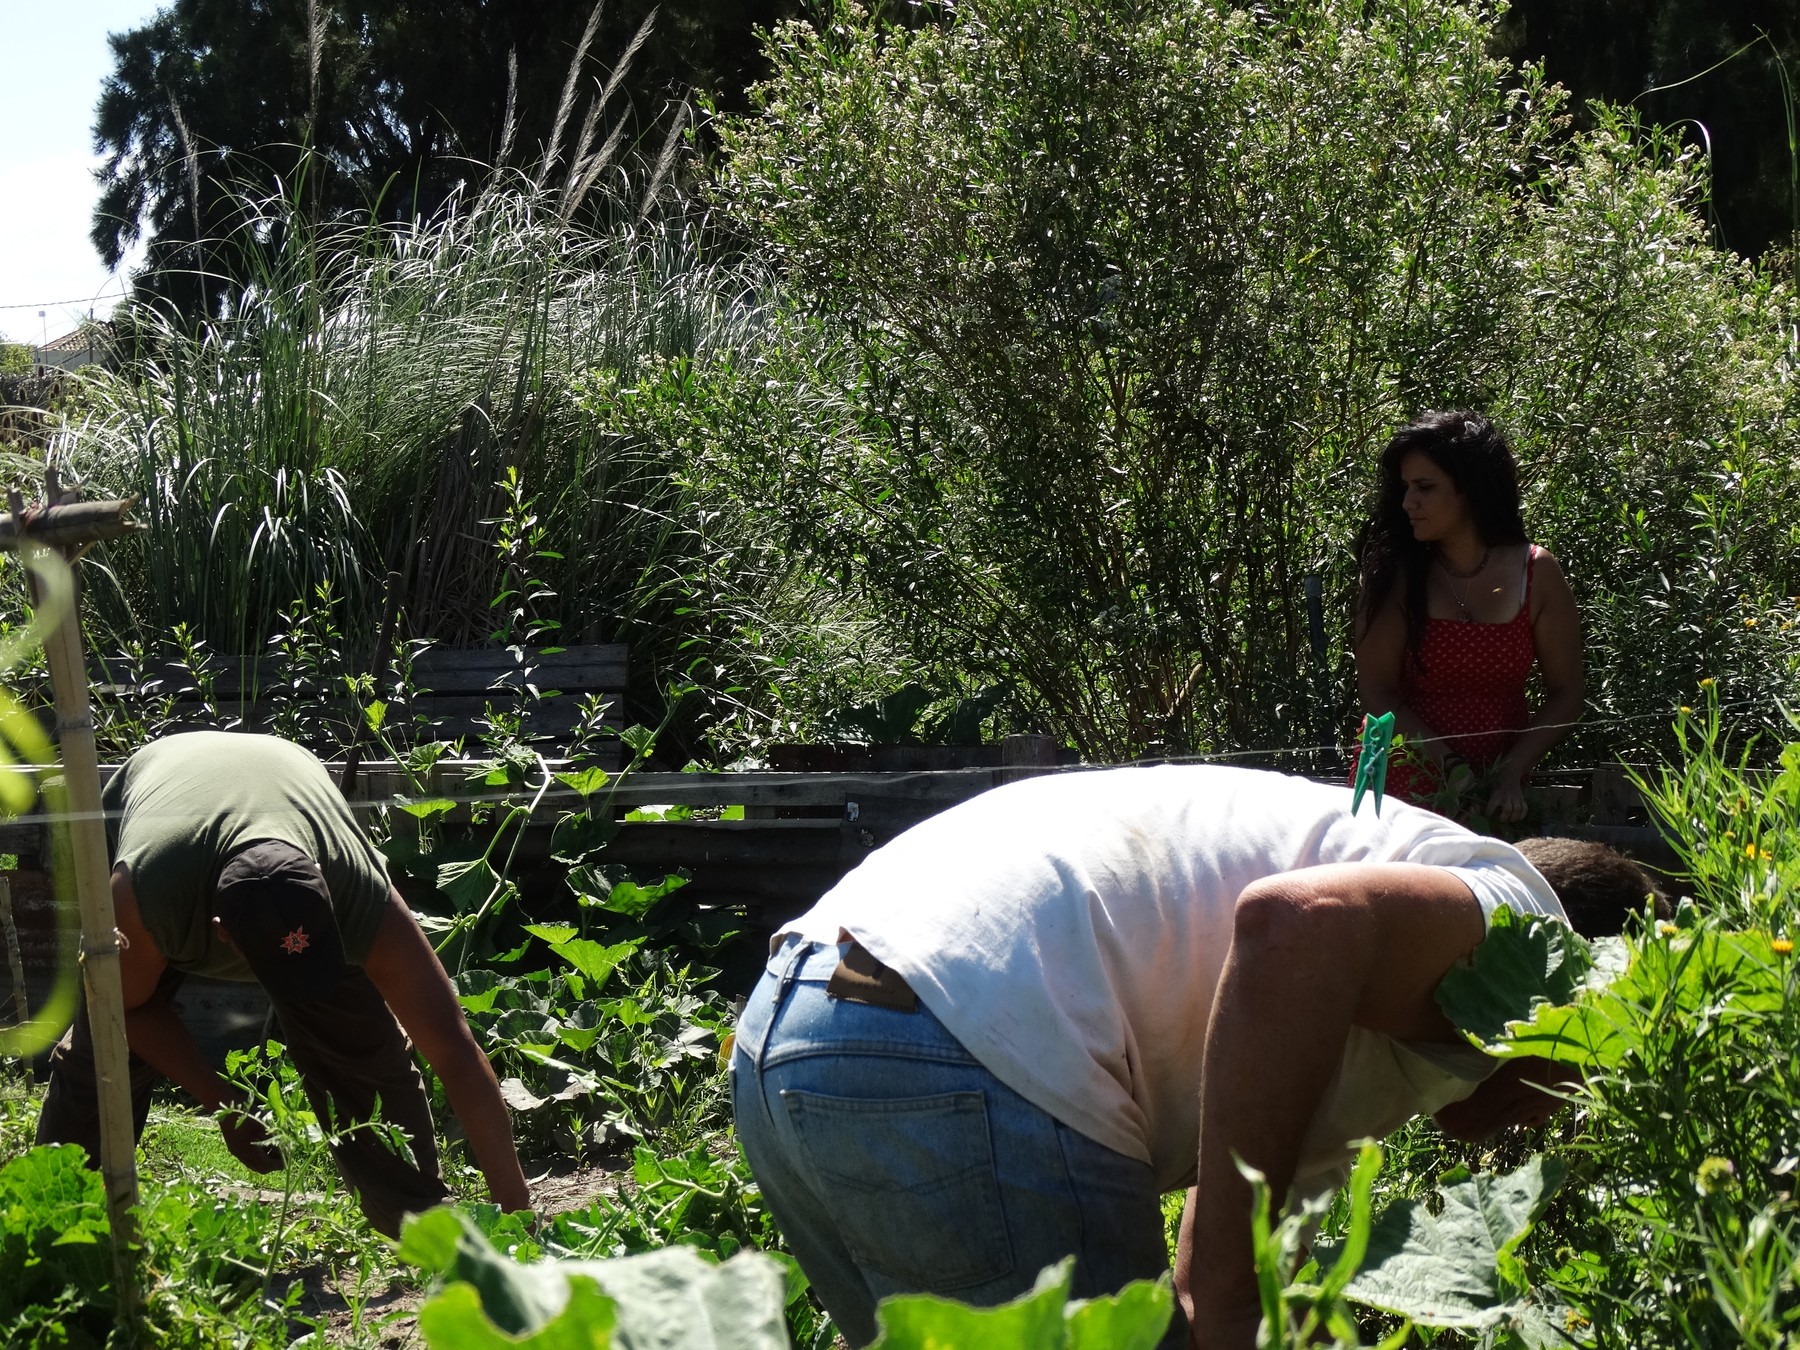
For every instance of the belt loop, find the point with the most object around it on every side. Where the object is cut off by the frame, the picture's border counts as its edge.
(792, 958)
(795, 957)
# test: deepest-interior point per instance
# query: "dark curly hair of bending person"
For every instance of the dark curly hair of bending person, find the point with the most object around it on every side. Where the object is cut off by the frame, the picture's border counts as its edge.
(1472, 451)
(1600, 888)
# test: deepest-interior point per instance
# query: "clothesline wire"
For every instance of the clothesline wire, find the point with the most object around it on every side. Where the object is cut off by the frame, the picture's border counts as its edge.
(544, 793)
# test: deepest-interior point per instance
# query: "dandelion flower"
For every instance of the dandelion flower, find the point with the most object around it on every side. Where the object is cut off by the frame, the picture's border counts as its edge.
(1667, 929)
(1707, 683)
(1686, 709)
(1781, 946)
(1749, 623)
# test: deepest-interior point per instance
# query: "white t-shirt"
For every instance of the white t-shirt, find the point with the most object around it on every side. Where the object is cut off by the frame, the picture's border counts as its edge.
(1070, 931)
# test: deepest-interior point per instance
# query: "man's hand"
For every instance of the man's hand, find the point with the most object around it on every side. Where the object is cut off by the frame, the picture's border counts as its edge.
(1520, 1092)
(248, 1141)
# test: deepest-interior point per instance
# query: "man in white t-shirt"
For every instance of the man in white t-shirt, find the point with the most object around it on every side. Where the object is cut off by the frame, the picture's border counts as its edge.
(1007, 1033)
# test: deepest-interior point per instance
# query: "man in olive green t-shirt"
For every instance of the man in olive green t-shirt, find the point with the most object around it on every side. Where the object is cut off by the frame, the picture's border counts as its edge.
(235, 857)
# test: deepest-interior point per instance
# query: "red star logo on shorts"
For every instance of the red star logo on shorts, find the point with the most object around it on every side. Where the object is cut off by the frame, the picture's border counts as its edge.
(295, 942)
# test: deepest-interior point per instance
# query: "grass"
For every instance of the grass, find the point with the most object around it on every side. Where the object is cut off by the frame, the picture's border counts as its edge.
(352, 413)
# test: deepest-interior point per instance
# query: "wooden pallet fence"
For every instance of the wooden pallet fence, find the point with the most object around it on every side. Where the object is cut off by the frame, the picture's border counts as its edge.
(452, 689)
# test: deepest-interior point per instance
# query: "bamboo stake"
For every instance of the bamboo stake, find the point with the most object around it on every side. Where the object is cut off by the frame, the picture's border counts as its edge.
(93, 879)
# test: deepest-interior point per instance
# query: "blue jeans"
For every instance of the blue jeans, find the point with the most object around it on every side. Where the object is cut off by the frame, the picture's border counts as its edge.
(893, 1162)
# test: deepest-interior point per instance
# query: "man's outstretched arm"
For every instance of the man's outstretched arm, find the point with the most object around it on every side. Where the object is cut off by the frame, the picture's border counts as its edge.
(412, 981)
(1313, 953)
(159, 1037)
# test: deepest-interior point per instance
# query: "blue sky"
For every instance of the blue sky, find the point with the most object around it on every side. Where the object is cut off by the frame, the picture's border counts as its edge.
(52, 62)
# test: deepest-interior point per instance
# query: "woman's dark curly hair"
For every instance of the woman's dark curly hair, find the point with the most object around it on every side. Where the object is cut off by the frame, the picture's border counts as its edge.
(1471, 450)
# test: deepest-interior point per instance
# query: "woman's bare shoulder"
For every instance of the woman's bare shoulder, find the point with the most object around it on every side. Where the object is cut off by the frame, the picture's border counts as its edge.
(1544, 564)
(1550, 590)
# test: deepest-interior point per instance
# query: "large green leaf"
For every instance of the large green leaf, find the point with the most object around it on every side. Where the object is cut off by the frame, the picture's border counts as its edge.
(454, 1320)
(1705, 978)
(586, 781)
(592, 959)
(580, 834)
(50, 1192)
(1522, 962)
(469, 883)
(672, 1299)
(612, 888)
(515, 1298)
(426, 807)
(1456, 1267)
(1135, 1316)
(1044, 1319)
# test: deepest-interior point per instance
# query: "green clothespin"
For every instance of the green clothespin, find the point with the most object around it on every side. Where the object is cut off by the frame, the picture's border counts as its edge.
(1372, 763)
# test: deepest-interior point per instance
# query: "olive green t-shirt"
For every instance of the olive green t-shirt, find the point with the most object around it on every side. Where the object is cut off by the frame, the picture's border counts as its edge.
(182, 806)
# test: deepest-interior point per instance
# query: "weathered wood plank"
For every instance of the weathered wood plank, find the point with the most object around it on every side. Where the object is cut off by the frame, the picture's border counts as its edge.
(600, 668)
(21, 836)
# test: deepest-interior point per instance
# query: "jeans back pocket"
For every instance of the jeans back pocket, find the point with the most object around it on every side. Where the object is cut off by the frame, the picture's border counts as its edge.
(910, 1183)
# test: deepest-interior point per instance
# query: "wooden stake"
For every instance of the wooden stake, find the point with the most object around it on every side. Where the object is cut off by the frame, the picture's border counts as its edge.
(15, 961)
(93, 878)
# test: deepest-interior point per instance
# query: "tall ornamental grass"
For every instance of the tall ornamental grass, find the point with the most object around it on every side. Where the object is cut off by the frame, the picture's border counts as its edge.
(359, 408)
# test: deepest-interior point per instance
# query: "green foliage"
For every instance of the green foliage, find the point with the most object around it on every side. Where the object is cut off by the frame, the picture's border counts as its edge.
(1046, 1317)
(1733, 828)
(201, 1260)
(1086, 315)
(1303, 1303)
(913, 714)
(354, 104)
(584, 1066)
(1679, 1225)
(666, 1300)
(1454, 1262)
(54, 1245)
(674, 1298)
(1523, 962)
(410, 400)
(1717, 75)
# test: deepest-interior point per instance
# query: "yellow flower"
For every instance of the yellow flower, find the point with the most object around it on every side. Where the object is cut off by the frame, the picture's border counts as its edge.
(1716, 1174)
(1749, 623)
(1749, 850)
(1667, 929)
(1707, 683)
(1781, 946)
(1684, 708)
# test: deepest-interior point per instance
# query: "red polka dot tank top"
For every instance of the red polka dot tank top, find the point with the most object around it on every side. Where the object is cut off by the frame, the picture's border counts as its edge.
(1467, 682)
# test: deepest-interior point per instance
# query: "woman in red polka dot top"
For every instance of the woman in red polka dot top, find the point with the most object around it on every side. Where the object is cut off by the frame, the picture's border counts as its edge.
(1455, 606)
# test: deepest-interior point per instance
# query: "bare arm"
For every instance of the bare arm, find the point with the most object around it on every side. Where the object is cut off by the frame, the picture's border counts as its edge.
(1380, 654)
(406, 970)
(162, 1040)
(1556, 636)
(1313, 953)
